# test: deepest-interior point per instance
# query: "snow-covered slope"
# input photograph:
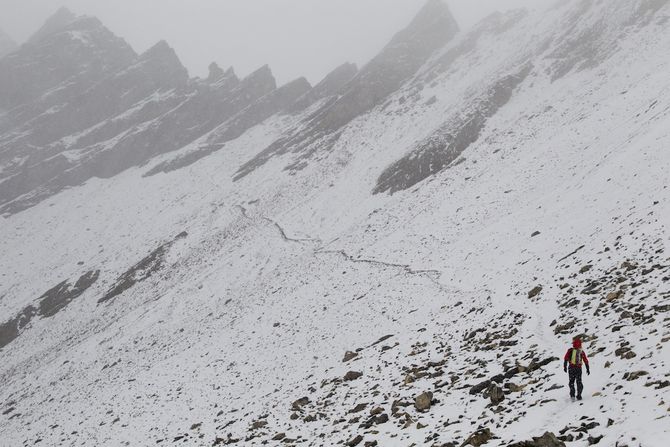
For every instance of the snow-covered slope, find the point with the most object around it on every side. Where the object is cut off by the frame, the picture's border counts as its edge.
(509, 194)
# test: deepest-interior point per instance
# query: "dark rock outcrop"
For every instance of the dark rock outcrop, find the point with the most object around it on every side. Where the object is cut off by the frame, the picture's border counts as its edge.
(423, 401)
(50, 303)
(143, 270)
(329, 87)
(275, 101)
(439, 150)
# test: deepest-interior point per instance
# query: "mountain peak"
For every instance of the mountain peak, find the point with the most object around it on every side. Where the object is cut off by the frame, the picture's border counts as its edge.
(163, 62)
(57, 22)
(262, 75)
(434, 18)
(161, 51)
(215, 72)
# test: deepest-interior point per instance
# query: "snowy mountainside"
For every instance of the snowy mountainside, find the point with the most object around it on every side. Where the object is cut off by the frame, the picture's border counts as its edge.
(175, 302)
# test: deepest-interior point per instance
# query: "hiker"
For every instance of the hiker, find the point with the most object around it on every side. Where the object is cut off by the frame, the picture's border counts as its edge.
(572, 364)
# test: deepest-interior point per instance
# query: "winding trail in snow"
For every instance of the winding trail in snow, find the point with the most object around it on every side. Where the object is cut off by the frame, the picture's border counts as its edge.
(432, 275)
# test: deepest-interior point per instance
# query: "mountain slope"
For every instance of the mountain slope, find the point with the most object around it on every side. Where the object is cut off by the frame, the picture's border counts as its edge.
(186, 308)
(7, 45)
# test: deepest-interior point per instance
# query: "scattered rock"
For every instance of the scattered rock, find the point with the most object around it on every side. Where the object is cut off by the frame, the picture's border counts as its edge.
(535, 292)
(495, 393)
(546, 440)
(382, 419)
(376, 411)
(612, 296)
(480, 387)
(593, 440)
(358, 408)
(298, 404)
(258, 424)
(352, 375)
(480, 437)
(355, 441)
(634, 375)
(349, 356)
(514, 388)
(423, 401)
(585, 269)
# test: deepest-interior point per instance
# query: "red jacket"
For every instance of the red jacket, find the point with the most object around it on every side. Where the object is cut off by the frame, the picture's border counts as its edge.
(577, 359)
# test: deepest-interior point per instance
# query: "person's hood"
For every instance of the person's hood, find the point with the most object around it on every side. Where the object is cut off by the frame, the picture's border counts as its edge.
(577, 343)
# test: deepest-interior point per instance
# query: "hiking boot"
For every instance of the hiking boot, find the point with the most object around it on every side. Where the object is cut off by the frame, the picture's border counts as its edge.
(579, 397)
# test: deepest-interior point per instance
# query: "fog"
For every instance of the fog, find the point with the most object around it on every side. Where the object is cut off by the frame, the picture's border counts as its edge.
(295, 37)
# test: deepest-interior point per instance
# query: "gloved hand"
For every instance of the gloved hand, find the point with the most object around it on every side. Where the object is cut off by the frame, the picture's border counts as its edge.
(588, 372)
(565, 369)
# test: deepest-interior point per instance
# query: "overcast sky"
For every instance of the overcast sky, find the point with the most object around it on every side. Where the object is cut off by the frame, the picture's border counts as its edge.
(295, 37)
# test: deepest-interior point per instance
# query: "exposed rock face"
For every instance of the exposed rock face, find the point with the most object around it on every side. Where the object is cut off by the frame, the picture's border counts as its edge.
(143, 270)
(432, 28)
(50, 303)
(445, 145)
(329, 87)
(81, 53)
(401, 58)
(215, 72)
(145, 109)
(7, 45)
(275, 101)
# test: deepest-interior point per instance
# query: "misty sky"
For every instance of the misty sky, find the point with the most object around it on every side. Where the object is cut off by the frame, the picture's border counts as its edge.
(295, 37)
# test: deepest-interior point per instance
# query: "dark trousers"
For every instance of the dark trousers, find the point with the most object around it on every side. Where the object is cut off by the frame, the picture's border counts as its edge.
(575, 375)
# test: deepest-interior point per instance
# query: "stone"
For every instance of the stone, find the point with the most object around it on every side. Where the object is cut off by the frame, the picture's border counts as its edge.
(352, 375)
(495, 393)
(634, 375)
(358, 408)
(298, 404)
(612, 296)
(546, 440)
(349, 356)
(376, 411)
(423, 401)
(514, 388)
(478, 438)
(382, 419)
(258, 424)
(585, 269)
(354, 441)
(535, 291)
(593, 440)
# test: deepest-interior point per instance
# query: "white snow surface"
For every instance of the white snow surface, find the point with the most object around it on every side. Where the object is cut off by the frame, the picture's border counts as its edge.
(281, 273)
